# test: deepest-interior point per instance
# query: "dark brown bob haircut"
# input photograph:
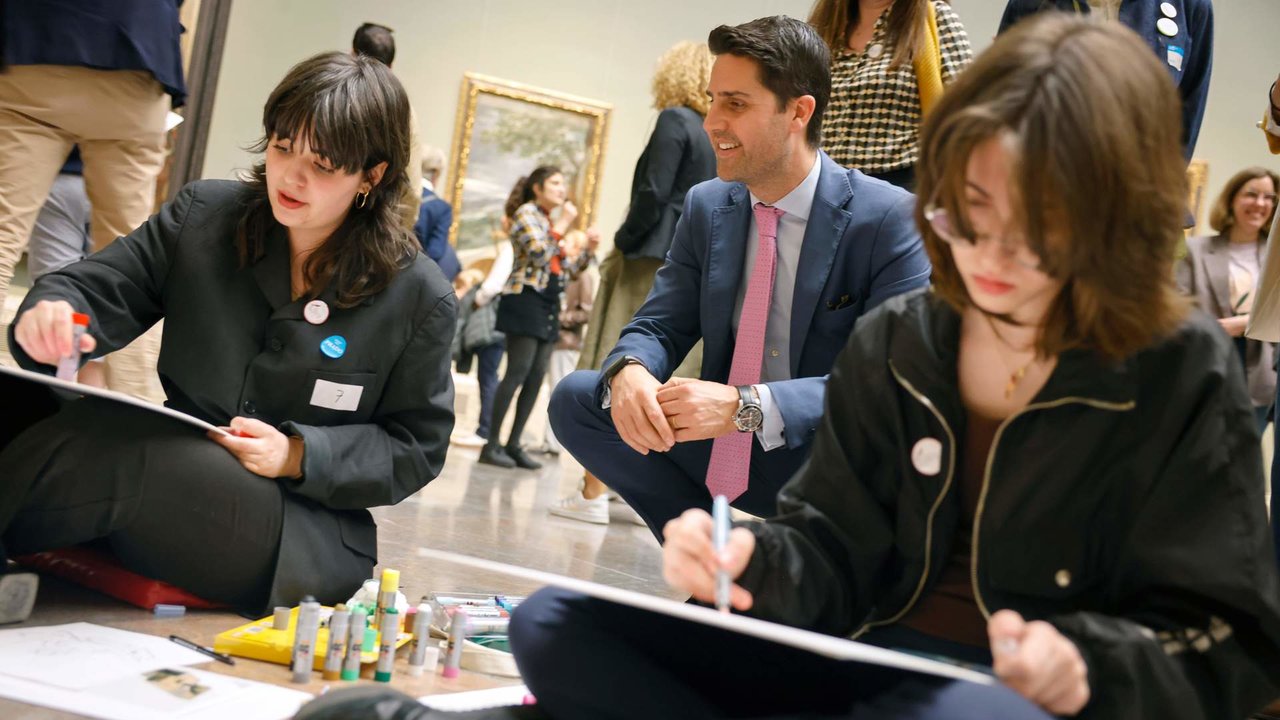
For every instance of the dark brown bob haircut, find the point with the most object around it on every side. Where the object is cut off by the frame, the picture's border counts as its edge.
(354, 113)
(792, 61)
(1098, 175)
(1222, 217)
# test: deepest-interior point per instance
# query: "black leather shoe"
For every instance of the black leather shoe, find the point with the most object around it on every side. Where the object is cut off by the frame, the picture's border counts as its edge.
(492, 454)
(522, 459)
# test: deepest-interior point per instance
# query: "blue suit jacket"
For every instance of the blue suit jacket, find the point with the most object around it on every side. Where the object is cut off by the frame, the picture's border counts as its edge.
(860, 248)
(432, 230)
(1194, 42)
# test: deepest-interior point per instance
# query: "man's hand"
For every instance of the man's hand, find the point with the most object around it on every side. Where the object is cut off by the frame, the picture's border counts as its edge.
(698, 409)
(633, 402)
(1039, 663)
(1234, 325)
(690, 562)
(262, 449)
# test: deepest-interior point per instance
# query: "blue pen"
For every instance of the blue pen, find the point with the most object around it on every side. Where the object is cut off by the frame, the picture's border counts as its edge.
(720, 539)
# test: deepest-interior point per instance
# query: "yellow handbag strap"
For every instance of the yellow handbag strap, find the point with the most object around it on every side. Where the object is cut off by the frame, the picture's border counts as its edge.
(928, 64)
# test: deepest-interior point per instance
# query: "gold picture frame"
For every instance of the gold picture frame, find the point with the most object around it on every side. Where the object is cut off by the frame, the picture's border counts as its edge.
(505, 129)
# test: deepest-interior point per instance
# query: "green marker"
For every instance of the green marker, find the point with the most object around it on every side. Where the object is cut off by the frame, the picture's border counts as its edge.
(355, 645)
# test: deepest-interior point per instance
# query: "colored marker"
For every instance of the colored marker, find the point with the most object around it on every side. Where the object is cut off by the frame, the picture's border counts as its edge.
(304, 639)
(468, 599)
(457, 636)
(70, 365)
(388, 634)
(720, 539)
(487, 626)
(280, 618)
(203, 650)
(387, 594)
(335, 654)
(355, 645)
(418, 657)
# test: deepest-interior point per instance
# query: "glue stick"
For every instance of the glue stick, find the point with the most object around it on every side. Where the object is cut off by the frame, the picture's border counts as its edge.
(387, 594)
(304, 639)
(335, 653)
(70, 365)
(387, 636)
(421, 638)
(457, 637)
(355, 645)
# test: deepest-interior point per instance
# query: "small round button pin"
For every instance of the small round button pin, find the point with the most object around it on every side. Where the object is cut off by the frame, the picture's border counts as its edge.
(1167, 27)
(316, 312)
(926, 456)
(1168, 10)
(334, 346)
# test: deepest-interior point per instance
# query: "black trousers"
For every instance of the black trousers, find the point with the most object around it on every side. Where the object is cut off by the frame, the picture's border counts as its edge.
(597, 660)
(169, 502)
(527, 361)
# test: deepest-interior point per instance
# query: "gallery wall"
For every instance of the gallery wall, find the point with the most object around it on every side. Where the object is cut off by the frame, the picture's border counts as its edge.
(605, 49)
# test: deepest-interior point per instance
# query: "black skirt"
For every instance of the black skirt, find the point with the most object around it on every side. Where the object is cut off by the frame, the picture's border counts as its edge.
(532, 313)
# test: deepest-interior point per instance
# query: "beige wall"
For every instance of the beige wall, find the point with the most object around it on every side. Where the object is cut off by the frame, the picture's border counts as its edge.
(605, 49)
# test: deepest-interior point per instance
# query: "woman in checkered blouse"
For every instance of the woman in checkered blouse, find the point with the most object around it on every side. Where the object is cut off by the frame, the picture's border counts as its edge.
(873, 122)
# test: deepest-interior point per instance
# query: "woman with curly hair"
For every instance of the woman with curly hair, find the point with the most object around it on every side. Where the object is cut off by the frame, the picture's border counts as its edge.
(889, 62)
(678, 156)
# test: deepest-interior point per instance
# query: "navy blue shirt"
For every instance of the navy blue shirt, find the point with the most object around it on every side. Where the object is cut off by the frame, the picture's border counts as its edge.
(100, 34)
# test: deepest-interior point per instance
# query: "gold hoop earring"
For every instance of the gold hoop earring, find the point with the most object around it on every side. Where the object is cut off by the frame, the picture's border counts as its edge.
(362, 199)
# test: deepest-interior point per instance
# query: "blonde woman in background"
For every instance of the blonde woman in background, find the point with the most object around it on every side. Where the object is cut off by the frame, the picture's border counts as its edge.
(889, 62)
(677, 157)
(1222, 271)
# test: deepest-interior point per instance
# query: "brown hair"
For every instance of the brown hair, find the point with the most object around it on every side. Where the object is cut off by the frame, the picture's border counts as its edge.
(1222, 217)
(681, 77)
(791, 59)
(355, 114)
(835, 19)
(1098, 171)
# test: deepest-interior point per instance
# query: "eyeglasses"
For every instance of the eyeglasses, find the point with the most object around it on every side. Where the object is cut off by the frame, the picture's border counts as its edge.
(1014, 248)
(1254, 196)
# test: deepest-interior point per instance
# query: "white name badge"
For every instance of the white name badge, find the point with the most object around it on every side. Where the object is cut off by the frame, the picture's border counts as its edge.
(336, 396)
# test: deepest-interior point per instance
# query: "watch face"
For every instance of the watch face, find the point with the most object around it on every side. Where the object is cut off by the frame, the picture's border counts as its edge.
(749, 418)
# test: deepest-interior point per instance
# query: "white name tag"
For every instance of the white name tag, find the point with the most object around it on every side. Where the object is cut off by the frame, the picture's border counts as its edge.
(336, 396)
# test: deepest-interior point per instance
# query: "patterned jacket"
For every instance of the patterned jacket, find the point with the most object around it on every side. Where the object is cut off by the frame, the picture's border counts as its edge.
(535, 245)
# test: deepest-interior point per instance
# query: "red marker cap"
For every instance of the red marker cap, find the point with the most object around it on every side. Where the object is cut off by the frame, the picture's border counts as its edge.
(80, 319)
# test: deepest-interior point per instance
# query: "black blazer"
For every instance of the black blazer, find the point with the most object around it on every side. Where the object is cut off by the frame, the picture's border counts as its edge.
(1188, 54)
(235, 344)
(678, 156)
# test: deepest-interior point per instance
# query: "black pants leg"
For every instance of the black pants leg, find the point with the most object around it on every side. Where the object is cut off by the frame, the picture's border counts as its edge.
(588, 658)
(530, 390)
(521, 350)
(171, 503)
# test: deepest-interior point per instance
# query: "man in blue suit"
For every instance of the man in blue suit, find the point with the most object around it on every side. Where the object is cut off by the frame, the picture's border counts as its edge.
(837, 244)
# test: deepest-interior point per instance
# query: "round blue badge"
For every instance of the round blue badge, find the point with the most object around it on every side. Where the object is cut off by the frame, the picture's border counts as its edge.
(335, 346)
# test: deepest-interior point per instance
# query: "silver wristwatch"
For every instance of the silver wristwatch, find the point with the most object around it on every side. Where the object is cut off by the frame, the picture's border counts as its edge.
(750, 416)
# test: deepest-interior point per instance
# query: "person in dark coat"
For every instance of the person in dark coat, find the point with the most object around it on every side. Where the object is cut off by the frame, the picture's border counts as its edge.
(299, 315)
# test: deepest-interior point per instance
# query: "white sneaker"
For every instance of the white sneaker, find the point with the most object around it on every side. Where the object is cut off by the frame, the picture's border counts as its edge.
(470, 440)
(576, 507)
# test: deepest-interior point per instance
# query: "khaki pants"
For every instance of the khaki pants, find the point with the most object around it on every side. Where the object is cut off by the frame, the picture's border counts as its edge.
(117, 119)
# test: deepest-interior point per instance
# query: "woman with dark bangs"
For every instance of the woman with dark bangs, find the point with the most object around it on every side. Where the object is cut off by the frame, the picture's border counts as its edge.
(299, 314)
(1046, 465)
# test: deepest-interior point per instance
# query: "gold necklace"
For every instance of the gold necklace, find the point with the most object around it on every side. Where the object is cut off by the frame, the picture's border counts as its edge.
(1015, 375)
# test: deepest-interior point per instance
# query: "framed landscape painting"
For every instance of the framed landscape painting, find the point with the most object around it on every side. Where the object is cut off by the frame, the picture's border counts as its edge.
(503, 131)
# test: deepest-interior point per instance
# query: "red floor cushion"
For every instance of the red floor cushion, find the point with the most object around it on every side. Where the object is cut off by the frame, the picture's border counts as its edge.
(100, 570)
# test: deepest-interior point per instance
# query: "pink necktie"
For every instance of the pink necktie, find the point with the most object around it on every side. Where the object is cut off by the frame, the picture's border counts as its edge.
(731, 454)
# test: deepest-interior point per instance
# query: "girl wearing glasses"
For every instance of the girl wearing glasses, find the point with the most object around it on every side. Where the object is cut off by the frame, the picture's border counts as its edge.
(1045, 465)
(1221, 273)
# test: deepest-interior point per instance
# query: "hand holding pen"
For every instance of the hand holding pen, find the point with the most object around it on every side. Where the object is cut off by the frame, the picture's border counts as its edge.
(691, 563)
